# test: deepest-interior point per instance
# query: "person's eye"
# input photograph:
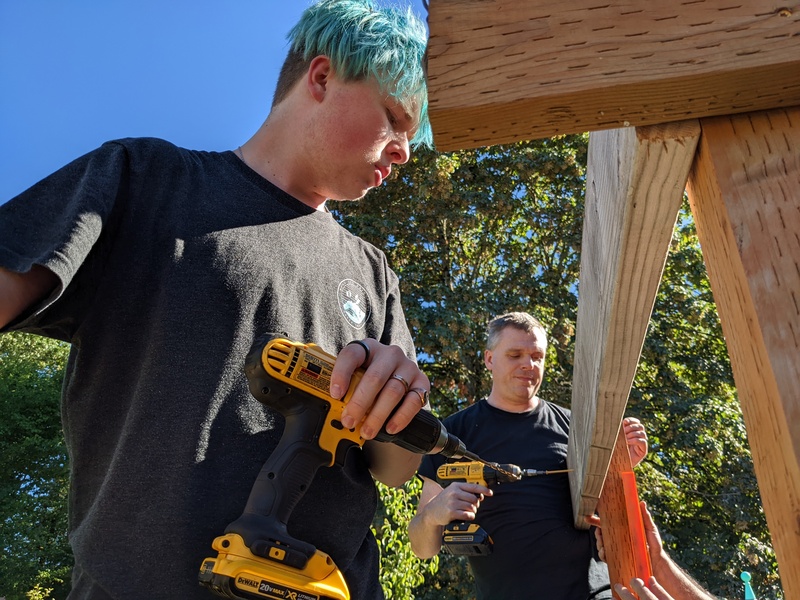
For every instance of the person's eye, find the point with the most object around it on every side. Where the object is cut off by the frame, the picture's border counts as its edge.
(392, 118)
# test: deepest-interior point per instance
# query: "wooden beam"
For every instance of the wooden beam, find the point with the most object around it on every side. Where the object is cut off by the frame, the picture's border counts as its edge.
(745, 195)
(504, 70)
(634, 188)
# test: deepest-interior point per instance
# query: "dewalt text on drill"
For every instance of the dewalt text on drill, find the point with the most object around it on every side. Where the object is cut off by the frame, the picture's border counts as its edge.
(469, 538)
(257, 558)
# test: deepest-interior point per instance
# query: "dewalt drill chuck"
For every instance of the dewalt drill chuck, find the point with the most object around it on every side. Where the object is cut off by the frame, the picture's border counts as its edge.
(426, 434)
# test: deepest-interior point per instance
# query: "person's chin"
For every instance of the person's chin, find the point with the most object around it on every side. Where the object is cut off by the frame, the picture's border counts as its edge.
(351, 196)
(363, 193)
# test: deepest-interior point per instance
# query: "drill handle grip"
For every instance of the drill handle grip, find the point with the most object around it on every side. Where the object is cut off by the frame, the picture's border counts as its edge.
(281, 483)
(290, 468)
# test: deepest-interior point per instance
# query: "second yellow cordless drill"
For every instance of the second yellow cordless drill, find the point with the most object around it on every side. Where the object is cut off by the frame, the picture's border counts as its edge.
(470, 539)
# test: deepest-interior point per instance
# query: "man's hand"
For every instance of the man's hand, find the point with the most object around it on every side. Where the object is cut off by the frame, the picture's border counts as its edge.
(636, 437)
(390, 378)
(671, 577)
(654, 544)
(459, 501)
(653, 591)
(439, 506)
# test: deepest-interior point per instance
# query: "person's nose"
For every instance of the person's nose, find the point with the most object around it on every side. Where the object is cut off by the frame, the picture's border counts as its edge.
(399, 149)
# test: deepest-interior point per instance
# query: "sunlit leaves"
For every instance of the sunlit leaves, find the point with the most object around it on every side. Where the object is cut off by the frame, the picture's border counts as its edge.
(34, 474)
(401, 571)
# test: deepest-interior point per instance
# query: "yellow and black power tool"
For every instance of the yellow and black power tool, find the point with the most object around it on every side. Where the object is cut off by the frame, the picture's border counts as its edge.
(470, 539)
(257, 558)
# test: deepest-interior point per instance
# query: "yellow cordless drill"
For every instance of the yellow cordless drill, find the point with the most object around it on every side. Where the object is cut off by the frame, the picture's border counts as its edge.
(257, 558)
(470, 539)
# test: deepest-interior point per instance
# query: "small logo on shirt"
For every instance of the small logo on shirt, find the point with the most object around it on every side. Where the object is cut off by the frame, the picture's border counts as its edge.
(353, 303)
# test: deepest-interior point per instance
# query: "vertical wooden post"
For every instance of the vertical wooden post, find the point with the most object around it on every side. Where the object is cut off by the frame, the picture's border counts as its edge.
(744, 191)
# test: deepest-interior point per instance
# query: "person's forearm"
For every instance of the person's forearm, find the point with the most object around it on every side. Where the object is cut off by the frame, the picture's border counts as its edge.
(390, 464)
(425, 537)
(677, 582)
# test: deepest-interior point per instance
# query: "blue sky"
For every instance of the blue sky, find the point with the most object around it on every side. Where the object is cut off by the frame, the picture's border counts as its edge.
(75, 73)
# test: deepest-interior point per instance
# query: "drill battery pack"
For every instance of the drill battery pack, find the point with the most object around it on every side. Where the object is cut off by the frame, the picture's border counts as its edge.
(239, 574)
(466, 539)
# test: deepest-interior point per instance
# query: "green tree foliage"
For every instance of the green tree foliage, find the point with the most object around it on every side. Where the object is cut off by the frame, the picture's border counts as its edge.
(35, 559)
(479, 232)
(401, 571)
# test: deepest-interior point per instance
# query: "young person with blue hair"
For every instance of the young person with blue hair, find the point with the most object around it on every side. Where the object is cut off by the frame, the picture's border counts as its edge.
(162, 265)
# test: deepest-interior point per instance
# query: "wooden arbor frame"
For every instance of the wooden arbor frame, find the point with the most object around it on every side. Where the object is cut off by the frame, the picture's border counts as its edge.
(695, 95)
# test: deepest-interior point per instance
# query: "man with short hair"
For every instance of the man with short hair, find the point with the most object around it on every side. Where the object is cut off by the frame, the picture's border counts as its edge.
(162, 266)
(537, 551)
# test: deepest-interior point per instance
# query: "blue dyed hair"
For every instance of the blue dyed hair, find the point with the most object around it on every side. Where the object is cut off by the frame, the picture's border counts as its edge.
(363, 42)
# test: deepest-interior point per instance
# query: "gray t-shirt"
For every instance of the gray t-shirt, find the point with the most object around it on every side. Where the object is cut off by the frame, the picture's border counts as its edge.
(172, 262)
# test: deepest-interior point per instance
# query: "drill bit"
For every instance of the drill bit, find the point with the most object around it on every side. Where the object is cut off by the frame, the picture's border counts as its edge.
(492, 465)
(473, 456)
(534, 472)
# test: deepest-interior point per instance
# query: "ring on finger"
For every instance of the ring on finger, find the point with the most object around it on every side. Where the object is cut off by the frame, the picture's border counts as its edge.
(401, 380)
(422, 394)
(365, 347)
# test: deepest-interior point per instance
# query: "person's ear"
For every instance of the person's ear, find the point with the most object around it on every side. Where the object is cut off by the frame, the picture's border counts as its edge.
(318, 76)
(487, 359)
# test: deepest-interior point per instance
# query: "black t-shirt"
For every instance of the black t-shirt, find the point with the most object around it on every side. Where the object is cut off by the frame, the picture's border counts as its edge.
(172, 262)
(537, 551)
